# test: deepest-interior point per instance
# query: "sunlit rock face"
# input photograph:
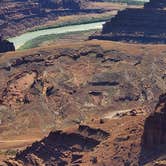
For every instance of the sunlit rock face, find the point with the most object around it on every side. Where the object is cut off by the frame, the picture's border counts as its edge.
(144, 25)
(32, 13)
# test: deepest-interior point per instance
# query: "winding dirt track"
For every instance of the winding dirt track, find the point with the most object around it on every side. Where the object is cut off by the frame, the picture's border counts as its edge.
(17, 143)
(5, 144)
(14, 141)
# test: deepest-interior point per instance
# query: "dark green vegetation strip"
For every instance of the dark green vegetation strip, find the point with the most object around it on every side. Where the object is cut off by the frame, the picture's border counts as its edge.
(75, 22)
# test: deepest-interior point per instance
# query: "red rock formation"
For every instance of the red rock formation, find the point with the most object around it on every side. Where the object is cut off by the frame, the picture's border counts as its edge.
(61, 148)
(155, 126)
(19, 16)
(69, 85)
(145, 25)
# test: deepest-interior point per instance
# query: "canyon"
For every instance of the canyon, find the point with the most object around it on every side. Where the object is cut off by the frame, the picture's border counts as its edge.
(99, 144)
(143, 25)
(87, 102)
(17, 17)
(71, 90)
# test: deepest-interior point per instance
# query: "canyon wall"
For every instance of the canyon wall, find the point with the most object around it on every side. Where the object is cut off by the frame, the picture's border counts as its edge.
(153, 144)
(61, 148)
(19, 16)
(65, 4)
(145, 25)
(155, 125)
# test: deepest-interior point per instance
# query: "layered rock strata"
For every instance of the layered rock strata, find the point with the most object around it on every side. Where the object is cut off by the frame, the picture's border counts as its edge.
(153, 146)
(155, 126)
(61, 148)
(69, 85)
(19, 16)
(66, 4)
(145, 25)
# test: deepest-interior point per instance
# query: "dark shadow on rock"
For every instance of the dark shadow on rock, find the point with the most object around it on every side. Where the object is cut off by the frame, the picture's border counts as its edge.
(6, 46)
(154, 136)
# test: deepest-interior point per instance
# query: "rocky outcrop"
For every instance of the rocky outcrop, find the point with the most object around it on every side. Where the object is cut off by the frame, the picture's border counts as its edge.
(65, 4)
(153, 141)
(72, 84)
(18, 16)
(6, 46)
(145, 25)
(61, 148)
(18, 87)
(155, 126)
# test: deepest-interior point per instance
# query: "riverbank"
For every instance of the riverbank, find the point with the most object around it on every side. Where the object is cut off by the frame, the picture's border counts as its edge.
(19, 41)
(111, 8)
(76, 20)
(49, 39)
(65, 21)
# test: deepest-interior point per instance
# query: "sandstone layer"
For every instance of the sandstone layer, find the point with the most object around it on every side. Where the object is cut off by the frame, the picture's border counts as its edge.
(155, 131)
(93, 144)
(20, 16)
(65, 4)
(136, 141)
(65, 85)
(145, 25)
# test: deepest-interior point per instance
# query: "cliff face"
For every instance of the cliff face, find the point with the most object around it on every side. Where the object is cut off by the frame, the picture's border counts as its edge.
(155, 126)
(77, 82)
(154, 136)
(63, 85)
(145, 25)
(19, 16)
(62, 4)
(98, 143)
(6, 46)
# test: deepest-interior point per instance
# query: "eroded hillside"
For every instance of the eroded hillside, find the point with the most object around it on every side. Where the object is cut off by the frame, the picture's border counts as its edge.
(63, 85)
(130, 139)
(18, 16)
(143, 25)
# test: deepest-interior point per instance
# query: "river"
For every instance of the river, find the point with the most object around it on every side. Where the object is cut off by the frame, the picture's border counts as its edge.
(22, 39)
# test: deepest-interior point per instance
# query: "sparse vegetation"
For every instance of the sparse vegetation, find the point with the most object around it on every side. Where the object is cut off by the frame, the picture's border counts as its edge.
(48, 38)
(11, 152)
